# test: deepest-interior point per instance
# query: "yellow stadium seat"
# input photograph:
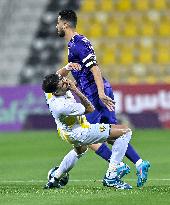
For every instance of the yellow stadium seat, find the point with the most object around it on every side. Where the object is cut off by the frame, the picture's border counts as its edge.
(65, 56)
(106, 6)
(89, 6)
(95, 30)
(126, 54)
(147, 28)
(145, 54)
(142, 5)
(132, 79)
(166, 79)
(151, 79)
(83, 23)
(108, 59)
(81, 29)
(130, 29)
(113, 29)
(159, 4)
(163, 54)
(124, 5)
(109, 55)
(164, 28)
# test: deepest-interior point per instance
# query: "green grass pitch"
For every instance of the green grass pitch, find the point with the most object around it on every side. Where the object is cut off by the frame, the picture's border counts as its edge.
(26, 157)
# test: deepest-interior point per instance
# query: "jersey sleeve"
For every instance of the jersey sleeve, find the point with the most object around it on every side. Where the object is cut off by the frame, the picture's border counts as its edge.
(86, 53)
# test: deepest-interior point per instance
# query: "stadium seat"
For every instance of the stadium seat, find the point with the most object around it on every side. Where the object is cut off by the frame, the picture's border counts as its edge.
(124, 5)
(127, 54)
(150, 79)
(147, 28)
(163, 54)
(132, 79)
(113, 28)
(95, 30)
(89, 6)
(145, 56)
(106, 6)
(130, 28)
(81, 24)
(166, 79)
(142, 5)
(109, 55)
(116, 29)
(159, 5)
(145, 52)
(164, 28)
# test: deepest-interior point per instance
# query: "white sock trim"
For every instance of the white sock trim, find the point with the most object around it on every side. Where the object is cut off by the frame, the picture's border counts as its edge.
(138, 162)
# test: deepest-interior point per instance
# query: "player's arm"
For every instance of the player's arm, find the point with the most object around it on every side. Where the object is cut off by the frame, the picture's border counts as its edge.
(98, 79)
(85, 102)
(87, 55)
(109, 103)
(66, 69)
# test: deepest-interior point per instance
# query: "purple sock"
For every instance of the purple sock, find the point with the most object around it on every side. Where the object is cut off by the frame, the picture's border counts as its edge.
(104, 152)
(131, 154)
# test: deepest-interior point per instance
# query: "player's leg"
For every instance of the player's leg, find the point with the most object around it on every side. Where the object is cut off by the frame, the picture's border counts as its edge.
(110, 118)
(142, 167)
(119, 148)
(101, 149)
(99, 133)
(65, 166)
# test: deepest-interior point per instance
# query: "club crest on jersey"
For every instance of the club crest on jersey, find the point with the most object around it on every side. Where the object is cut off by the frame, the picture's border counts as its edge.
(102, 128)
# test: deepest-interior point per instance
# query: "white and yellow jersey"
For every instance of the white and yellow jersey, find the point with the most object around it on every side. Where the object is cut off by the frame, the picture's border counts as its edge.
(68, 114)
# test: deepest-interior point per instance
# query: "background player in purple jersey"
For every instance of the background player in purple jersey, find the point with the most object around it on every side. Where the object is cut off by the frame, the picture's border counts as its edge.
(97, 89)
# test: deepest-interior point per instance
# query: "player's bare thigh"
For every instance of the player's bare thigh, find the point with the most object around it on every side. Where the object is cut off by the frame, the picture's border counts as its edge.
(95, 147)
(117, 131)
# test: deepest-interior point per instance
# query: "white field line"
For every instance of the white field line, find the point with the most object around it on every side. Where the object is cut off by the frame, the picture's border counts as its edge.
(71, 180)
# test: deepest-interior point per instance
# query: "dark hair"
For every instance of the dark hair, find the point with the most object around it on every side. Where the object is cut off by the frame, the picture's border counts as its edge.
(70, 16)
(50, 83)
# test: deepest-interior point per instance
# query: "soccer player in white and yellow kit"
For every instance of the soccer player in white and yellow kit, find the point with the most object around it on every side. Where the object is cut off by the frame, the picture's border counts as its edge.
(73, 127)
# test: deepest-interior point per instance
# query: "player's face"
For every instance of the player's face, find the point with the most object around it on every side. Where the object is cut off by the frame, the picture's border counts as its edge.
(63, 86)
(60, 27)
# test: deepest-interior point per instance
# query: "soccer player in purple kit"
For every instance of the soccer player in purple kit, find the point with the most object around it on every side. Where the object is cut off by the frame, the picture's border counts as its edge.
(85, 70)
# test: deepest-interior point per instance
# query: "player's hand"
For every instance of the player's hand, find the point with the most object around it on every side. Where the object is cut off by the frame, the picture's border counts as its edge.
(107, 101)
(75, 82)
(70, 84)
(73, 66)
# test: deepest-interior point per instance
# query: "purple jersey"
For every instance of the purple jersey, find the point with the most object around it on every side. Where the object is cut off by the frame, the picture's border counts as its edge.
(81, 51)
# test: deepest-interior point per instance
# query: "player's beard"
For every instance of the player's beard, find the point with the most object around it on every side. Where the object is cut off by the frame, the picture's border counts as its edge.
(61, 33)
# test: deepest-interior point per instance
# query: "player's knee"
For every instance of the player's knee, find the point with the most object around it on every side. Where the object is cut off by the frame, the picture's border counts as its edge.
(80, 150)
(118, 130)
(125, 127)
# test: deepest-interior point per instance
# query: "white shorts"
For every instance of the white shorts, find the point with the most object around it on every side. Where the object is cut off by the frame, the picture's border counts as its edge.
(96, 133)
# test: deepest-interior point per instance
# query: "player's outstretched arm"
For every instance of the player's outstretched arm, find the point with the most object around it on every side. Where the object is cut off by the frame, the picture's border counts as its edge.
(66, 69)
(107, 101)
